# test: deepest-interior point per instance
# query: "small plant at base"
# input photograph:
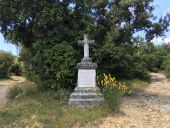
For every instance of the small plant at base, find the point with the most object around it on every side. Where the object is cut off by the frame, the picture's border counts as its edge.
(113, 91)
(62, 95)
(14, 91)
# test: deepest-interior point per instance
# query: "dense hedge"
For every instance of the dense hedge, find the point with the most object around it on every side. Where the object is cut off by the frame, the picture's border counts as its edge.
(16, 67)
(48, 32)
(167, 65)
(6, 60)
(52, 65)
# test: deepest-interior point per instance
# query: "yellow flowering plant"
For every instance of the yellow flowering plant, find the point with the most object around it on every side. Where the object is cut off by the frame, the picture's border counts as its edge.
(109, 82)
(113, 90)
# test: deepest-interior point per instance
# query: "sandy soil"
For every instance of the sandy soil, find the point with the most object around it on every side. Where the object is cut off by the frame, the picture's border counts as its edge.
(146, 108)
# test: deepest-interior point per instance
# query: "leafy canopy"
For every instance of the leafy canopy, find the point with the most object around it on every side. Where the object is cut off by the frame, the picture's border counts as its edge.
(45, 29)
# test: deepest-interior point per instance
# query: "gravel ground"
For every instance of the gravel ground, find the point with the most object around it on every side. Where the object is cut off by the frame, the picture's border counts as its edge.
(146, 108)
(3, 90)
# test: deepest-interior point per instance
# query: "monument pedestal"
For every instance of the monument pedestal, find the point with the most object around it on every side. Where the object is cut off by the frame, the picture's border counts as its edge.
(86, 94)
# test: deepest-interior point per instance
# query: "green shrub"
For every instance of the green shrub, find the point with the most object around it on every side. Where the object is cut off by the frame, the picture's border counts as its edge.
(52, 65)
(16, 67)
(167, 65)
(14, 91)
(113, 91)
(29, 88)
(6, 60)
(122, 60)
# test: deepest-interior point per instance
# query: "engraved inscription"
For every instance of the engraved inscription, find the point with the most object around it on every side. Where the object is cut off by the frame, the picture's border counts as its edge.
(86, 78)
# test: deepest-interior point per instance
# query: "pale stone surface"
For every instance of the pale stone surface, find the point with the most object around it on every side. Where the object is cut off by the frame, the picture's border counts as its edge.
(86, 78)
(86, 97)
(86, 43)
(86, 94)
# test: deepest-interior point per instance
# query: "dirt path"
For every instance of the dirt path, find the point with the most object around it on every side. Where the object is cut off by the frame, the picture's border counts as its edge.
(147, 108)
(5, 85)
(3, 89)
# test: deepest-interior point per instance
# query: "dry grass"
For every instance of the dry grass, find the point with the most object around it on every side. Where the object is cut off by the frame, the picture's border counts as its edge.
(36, 109)
(12, 80)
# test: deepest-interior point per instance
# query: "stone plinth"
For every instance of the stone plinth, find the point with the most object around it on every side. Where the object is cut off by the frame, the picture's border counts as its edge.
(86, 94)
(86, 97)
(86, 74)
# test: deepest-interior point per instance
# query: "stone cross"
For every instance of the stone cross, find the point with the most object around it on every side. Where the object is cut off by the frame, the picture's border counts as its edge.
(86, 93)
(86, 43)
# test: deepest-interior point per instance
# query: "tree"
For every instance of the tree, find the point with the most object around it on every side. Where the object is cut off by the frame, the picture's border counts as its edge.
(6, 60)
(40, 26)
(167, 65)
(16, 67)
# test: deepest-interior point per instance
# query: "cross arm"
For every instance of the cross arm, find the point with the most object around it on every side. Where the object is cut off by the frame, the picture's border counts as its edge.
(91, 42)
(80, 42)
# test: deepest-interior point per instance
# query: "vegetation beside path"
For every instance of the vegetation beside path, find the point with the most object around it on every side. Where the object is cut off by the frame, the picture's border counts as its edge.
(32, 107)
(5, 84)
(36, 108)
(146, 108)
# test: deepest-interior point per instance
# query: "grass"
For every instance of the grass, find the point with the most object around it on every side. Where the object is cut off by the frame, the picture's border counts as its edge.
(36, 109)
(137, 82)
(3, 80)
(165, 73)
(12, 80)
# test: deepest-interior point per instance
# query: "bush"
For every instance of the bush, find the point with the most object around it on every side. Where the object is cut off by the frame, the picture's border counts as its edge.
(16, 67)
(113, 91)
(167, 65)
(52, 65)
(14, 91)
(6, 60)
(124, 61)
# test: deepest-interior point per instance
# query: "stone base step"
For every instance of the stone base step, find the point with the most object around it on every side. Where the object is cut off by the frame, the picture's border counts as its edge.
(85, 102)
(86, 97)
(86, 90)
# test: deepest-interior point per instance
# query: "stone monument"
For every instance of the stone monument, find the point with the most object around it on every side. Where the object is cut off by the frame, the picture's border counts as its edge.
(86, 93)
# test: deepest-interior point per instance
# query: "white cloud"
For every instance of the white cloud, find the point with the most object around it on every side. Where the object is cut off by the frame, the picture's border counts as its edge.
(161, 40)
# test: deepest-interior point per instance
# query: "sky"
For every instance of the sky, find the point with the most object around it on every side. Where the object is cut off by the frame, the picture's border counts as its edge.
(163, 6)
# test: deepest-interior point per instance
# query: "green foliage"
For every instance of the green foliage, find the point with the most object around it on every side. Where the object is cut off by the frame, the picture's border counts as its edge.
(26, 57)
(122, 60)
(53, 65)
(14, 91)
(112, 98)
(155, 57)
(47, 28)
(16, 67)
(167, 65)
(44, 109)
(6, 60)
(113, 91)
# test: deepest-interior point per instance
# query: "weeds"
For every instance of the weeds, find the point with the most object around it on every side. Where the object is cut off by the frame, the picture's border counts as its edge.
(14, 92)
(113, 91)
(48, 109)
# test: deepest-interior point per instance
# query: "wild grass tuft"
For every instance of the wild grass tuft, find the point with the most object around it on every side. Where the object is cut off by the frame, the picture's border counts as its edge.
(14, 92)
(48, 109)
